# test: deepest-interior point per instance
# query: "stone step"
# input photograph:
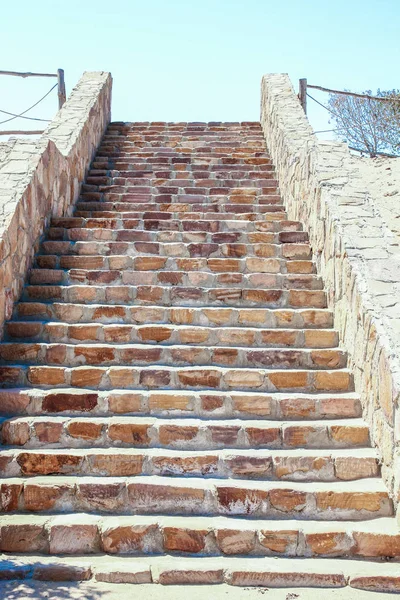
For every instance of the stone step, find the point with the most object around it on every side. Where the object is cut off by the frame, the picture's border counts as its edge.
(263, 573)
(181, 163)
(144, 295)
(289, 258)
(104, 172)
(124, 213)
(248, 211)
(217, 273)
(284, 465)
(359, 500)
(284, 251)
(193, 177)
(173, 199)
(84, 234)
(213, 405)
(184, 434)
(178, 378)
(83, 534)
(206, 316)
(153, 354)
(235, 226)
(170, 334)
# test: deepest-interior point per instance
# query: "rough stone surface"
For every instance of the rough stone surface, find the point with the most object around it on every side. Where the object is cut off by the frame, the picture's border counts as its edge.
(40, 180)
(357, 254)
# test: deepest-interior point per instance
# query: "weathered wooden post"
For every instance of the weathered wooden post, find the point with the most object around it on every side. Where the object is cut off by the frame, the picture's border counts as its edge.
(62, 96)
(303, 93)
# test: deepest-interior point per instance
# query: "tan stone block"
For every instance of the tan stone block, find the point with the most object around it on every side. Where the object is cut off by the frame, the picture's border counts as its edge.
(46, 375)
(169, 402)
(289, 379)
(235, 541)
(132, 539)
(195, 465)
(74, 538)
(329, 543)
(15, 433)
(125, 403)
(335, 381)
(23, 538)
(243, 378)
(377, 544)
(48, 431)
(280, 542)
(350, 436)
(38, 463)
(117, 465)
(177, 539)
(85, 430)
(287, 500)
(170, 434)
(136, 434)
(86, 376)
(350, 500)
(122, 377)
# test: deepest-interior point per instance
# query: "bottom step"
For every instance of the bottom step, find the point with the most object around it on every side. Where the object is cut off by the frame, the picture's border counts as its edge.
(263, 572)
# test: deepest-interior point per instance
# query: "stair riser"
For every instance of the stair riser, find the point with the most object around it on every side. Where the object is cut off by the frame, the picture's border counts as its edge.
(207, 316)
(125, 497)
(113, 354)
(139, 433)
(176, 296)
(199, 336)
(175, 249)
(104, 378)
(128, 235)
(186, 227)
(208, 405)
(191, 279)
(152, 537)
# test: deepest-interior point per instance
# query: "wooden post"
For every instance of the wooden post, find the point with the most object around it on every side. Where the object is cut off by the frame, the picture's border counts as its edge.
(303, 93)
(62, 96)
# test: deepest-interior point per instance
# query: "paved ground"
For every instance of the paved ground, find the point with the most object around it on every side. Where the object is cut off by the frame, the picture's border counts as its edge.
(88, 591)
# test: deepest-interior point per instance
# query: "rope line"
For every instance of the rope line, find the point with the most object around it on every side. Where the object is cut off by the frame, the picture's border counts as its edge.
(14, 116)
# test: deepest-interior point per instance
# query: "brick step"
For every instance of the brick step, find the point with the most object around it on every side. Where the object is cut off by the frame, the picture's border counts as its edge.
(359, 500)
(83, 534)
(184, 434)
(211, 404)
(170, 335)
(285, 465)
(291, 250)
(84, 234)
(180, 216)
(142, 272)
(237, 227)
(185, 354)
(178, 378)
(267, 572)
(143, 295)
(206, 316)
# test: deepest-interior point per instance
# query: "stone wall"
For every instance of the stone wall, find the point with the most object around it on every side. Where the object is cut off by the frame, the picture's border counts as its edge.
(40, 179)
(356, 254)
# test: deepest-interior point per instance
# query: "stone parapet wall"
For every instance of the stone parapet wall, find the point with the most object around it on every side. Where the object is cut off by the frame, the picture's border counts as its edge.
(357, 255)
(40, 179)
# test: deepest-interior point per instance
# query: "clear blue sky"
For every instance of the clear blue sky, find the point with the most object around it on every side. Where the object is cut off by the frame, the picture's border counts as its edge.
(202, 60)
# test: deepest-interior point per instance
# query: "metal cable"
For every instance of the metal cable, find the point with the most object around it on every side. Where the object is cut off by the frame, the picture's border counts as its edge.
(14, 116)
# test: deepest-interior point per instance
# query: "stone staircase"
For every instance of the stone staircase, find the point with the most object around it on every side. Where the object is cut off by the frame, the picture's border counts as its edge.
(176, 406)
